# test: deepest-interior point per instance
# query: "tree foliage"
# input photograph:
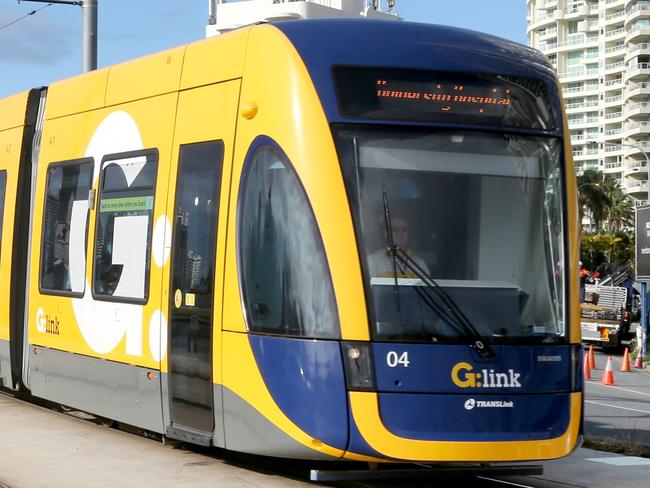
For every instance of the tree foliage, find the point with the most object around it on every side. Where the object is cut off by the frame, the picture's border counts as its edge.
(601, 198)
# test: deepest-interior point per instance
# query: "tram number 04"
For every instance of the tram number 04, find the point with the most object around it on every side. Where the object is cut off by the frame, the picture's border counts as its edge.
(394, 359)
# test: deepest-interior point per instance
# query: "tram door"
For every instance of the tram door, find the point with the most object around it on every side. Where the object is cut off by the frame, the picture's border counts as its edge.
(193, 263)
(204, 134)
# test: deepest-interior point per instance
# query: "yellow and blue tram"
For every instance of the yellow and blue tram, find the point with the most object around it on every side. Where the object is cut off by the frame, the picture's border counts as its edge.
(319, 239)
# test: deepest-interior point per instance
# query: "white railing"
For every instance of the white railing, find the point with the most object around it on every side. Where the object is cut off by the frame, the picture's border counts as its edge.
(637, 106)
(618, 47)
(613, 165)
(636, 66)
(636, 164)
(638, 125)
(638, 47)
(615, 32)
(636, 184)
(637, 86)
(616, 15)
(613, 148)
(617, 98)
(614, 115)
(639, 6)
(614, 82)
(638, 25)
(612, 132)
(620, 64)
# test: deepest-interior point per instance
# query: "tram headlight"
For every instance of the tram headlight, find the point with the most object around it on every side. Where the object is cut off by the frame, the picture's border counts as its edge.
(359, 368)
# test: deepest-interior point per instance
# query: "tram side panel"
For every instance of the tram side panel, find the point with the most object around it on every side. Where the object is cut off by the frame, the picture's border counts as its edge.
(96, 314)
(17, 125)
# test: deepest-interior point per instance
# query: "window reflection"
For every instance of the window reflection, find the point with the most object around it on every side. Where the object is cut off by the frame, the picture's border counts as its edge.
(286, 282)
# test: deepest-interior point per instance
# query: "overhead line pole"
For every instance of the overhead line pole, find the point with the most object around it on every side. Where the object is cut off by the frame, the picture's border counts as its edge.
(89, 10)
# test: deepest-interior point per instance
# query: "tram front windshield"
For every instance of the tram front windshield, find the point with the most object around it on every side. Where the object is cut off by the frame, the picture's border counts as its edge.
(480, 213)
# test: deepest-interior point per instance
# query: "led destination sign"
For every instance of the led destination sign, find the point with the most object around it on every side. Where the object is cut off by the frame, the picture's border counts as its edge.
(392, 94)
(443, 97)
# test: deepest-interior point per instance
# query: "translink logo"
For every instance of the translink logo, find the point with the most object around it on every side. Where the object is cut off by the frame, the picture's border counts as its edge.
(463, 376)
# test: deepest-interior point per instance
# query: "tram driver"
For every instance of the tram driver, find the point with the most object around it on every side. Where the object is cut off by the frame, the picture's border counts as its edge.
(380, 263)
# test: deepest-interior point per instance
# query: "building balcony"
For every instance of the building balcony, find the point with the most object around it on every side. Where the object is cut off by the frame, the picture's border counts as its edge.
(613, 134)
(569, 44)
(580, 106)
(613, 101)
(611, 151)
(613, 167)
(584, 123)
(634, 128)
(641, 9)
(549, 33)
(636, 170)
(639, 108)
(613, 117)
(584, 154)
(578, 74)
(637, 70)
(637, 33)
(636, 188)
(542, 19)
(583, 90)
(641, 89)
(643, 48)
(614, 3)
(615, 34)
(617, 67)
(617, 16)
(613, 50)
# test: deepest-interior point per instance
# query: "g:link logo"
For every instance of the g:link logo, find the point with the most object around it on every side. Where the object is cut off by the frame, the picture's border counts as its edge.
(463, 377)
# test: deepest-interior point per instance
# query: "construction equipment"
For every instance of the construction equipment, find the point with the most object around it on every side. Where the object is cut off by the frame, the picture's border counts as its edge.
(605, 316)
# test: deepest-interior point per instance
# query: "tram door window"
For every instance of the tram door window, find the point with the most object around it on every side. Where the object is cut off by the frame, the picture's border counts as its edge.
(124, 226)
(193, 264)
(3, 185)
(63, 250)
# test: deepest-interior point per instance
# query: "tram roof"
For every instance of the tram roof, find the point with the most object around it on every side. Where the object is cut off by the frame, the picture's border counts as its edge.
(323, 44)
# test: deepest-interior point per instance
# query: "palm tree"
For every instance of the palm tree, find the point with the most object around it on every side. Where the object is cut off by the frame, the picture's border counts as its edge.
(592, 197)
(619, 212)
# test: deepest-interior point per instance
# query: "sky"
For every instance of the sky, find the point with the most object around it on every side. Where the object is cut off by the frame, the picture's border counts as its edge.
(46, 46)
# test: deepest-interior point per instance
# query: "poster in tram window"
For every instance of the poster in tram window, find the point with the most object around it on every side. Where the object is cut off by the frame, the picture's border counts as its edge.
(643, 243)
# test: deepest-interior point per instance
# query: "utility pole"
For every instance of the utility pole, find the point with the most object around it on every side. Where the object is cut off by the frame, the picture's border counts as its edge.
(89, 10)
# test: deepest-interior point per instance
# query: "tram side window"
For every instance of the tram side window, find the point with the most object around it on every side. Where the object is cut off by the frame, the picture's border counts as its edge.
(3, 186)
(124, 226)
(286, 283)
(63, 250)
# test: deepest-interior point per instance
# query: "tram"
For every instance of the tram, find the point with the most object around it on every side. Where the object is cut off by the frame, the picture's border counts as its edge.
(313, 239)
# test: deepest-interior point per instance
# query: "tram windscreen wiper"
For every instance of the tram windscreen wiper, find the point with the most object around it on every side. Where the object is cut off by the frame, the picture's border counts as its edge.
(447, 309)
(392, 250)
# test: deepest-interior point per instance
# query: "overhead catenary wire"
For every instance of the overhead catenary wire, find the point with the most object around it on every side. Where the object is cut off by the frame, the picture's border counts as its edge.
(24, 16)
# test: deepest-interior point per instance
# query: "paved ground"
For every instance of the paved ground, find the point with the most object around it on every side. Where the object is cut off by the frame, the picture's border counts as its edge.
(44, 449)
(620, 412)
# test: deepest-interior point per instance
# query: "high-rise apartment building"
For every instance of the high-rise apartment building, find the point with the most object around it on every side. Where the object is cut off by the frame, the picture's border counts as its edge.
(601, 52)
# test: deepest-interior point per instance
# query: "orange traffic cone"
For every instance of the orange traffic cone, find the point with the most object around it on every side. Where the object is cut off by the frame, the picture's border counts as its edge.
(592, 358)
(587, 368)
(639, 361)
(608, 375)
(625, 365)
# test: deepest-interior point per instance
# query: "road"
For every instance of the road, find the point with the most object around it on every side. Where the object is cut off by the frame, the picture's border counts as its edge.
(620, 412)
